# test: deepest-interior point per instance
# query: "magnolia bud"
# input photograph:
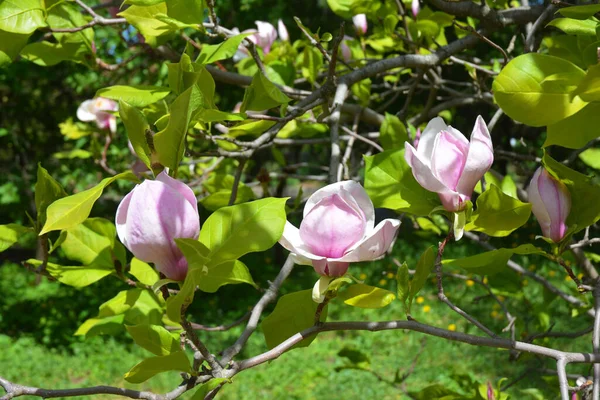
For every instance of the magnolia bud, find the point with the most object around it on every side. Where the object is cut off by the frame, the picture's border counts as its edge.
(282, 30)
(360, 23)
(151, 216)
(550, 203)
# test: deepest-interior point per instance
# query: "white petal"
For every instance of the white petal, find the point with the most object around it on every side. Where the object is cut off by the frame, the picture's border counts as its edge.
(479, 159)
(320, 288)
(375, 244)
(421, 170)
(292, 241)
(121, 217)
(87, 111)
(427, 139)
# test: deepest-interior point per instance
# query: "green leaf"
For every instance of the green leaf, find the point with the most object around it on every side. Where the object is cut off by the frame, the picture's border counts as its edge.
(47, 190)
(211, 53)
(155, 339)
(403, 283)
(262, 94)
(169, 142)
(362, 90)
(137, 131)
(577, 130)
(9, 235)
(21, 16)
(575, 26)
(591, 157)
(48, 54)
(312, 60)
(219, 186)
(207, 387)
(73, 210)
(580, 12)
(589, 88)
(11, 45)
(146, 369)
(135, 95)
(208, 115)
(365, 296)
(231, 232)
(424, 267)
(491, 262)
(498, 214)
(390, 184)
(227, 273)
(101, 326)
(188, 11)
(250, 127)
(583, 211)
(392, 133)
(293, 313)
(144, 18)
(524, 92)
(77, 276)
(91, 242)
(65, 15)
(143, 2)
(143, 272)
(436, 392)
(347, 8)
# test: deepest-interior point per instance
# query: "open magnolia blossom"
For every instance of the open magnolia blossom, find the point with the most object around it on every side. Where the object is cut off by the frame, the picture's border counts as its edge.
(550, 203)
(447, 163)
(99, 110)
(338, 228)
(263, 38)
(360, 23)
(151, 216)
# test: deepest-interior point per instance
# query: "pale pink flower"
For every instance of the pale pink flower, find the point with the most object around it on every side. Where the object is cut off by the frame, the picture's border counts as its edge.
(445, 162)
(151, 216)
(282, 30)
(338, 228)
(360, 23)
(415, 6)
(99, 110)
(550, 203)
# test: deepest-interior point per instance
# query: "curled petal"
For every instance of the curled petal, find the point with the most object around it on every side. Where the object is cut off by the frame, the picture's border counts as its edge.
(321, 286)
(282, 30)
(453, 201)
(266, 35)
(415, 6)
(551, 204)
(375, 244)
(427, 139)
(479, 159)
(421, 169)
(330, 268)
(449, 157)
(86, 111)
(121, 217)
(292, 241)
(180, 187)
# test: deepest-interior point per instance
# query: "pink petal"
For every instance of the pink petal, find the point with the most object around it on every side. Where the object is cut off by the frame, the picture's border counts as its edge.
(421, 169)
(448, 159)
(479, 159)
(266, 35)
(157, 214)
(179, 186)
(415, 6)
(537, 204)
(375, 244)
(352, 192)
(292, 241)
(557, 201)
(282, 30)
(453, 201)
(121, 217)
(360, 23)
(330, 268)
(331, 227)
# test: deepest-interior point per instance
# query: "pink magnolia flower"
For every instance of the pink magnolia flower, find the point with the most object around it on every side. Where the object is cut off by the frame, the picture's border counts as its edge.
(151, 216)
(99, 110)
(345, 49)
(360, 23)
(263, 38)
(550, 203)
(445, 162)
(415, 6)
(338, 228)
(282, 30)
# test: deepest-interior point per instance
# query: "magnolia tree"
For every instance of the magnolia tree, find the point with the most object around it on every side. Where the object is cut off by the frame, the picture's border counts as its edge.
(369, 104)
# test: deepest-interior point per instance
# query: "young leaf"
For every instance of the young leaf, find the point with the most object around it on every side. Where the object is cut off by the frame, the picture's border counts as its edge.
(143, 272)
(498, 214)
(145, 20)
(169, 142)
(76, 276)
(227, 273)
(577, 130)
(135, 95)
(155, 339)
(211, 53)
(390, 184)
(47, 191)
(262, 94)
(231, 232)
(205, 388)
(72, 210)
(580, 12)
(424, 267)
(21, 16)
(365, 296)
(575, 26)
(187, 11)
(137, 128)
(9, 235)
(293, 313)
(525, 93)
(491, 262)
(392, 133)
(149, 367)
